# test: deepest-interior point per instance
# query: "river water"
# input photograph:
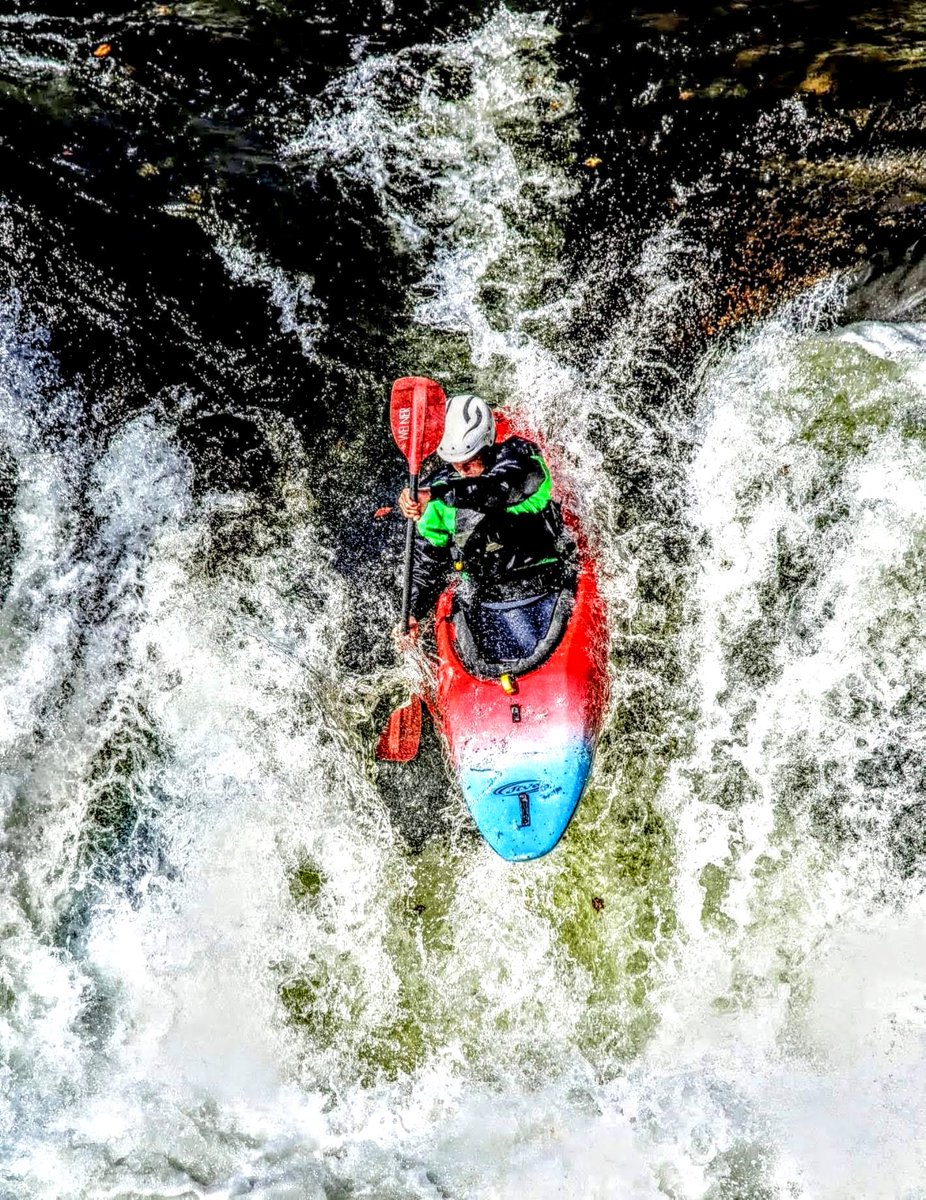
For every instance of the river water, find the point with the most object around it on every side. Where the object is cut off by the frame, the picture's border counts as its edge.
(238, 958)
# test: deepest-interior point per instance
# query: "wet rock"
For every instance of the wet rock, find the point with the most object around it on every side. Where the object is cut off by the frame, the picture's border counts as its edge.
(778, 196)
(886, 290)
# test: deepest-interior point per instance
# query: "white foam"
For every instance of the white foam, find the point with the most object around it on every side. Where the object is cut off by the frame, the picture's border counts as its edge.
(292, 294)
(778, 998)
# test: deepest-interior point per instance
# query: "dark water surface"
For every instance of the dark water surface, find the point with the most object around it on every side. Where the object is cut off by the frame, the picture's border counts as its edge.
(119, 170)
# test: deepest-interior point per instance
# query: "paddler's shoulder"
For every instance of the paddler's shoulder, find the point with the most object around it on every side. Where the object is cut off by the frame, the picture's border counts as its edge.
(515, 447)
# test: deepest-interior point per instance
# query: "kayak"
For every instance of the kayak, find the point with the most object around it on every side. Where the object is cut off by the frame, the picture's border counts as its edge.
(521, 731)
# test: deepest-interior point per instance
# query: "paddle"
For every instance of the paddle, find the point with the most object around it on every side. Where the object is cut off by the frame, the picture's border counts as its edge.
(401, 736)
(416, 414)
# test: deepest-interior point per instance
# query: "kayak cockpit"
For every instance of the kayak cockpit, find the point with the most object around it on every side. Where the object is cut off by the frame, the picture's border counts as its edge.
(511, 637)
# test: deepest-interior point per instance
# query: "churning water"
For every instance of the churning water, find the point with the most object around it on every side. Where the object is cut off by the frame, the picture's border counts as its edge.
(225, 972)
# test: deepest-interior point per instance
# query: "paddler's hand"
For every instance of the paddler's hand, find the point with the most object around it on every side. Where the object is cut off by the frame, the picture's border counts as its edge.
(405, 641)
(412, 510)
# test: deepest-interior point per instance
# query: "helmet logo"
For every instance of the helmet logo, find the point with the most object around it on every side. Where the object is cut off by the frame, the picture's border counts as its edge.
(469, 427)
(471, 418)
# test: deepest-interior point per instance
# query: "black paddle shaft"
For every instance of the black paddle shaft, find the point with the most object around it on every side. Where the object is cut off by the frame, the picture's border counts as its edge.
(409, 558)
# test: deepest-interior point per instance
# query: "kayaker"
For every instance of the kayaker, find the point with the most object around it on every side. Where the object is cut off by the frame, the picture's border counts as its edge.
(488, 517)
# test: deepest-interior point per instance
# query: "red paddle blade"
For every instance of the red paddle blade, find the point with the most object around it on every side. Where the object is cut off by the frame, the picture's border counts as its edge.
(416, 413)
(400, 739)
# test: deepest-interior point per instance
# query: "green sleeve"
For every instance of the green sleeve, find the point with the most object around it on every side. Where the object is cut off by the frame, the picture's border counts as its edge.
(541, 498)
(438, 523)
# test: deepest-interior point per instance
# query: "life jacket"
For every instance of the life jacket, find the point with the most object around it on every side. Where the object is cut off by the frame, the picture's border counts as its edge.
(498, 528)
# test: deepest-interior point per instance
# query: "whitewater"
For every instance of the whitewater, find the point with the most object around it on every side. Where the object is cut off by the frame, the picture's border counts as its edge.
(223, 969)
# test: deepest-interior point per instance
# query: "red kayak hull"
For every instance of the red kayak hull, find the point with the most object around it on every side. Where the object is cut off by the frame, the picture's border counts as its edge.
(523, 756)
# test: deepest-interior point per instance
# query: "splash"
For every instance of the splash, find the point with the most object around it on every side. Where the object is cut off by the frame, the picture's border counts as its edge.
(794, 804)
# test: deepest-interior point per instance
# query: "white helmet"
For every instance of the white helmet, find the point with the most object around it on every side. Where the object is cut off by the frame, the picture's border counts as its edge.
(468, 428)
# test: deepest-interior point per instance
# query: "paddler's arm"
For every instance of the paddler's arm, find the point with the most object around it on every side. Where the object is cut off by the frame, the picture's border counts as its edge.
(432, 552)
(432, 567)
(518, 473)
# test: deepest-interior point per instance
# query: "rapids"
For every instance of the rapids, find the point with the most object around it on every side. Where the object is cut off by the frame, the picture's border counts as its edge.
(226, 969)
